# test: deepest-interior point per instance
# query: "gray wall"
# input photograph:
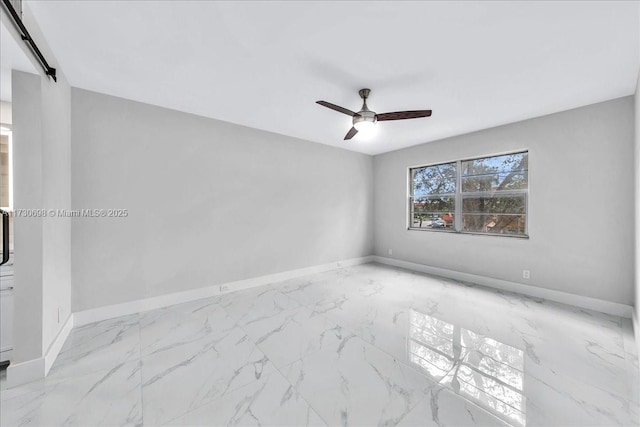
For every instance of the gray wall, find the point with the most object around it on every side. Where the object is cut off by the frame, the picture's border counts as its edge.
(42, 179)
(581, 207)
(27, 185)
(56, 231)
(42, 174)
(209, 202)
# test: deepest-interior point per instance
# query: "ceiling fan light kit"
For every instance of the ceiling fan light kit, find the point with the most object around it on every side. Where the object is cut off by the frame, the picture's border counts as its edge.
(365, 119)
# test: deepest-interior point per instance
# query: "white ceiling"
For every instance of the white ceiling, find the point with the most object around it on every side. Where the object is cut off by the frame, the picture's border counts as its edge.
(264, 64)
(12, 57)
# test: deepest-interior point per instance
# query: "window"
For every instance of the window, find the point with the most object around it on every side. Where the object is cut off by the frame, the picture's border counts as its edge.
(487, 195)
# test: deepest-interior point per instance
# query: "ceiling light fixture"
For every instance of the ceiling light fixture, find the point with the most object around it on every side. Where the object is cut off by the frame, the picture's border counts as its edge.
(365, 121)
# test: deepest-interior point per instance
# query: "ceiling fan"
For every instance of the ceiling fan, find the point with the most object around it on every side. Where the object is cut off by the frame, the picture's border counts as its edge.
(366, 119)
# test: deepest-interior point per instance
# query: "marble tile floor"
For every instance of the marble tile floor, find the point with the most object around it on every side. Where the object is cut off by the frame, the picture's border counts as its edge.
(365, 345)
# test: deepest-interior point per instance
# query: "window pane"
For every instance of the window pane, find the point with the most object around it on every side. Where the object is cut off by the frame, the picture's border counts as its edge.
(499, 173)
(437, 179)
(435, 212)
(494, 224)
(502, 204)
(497, 214)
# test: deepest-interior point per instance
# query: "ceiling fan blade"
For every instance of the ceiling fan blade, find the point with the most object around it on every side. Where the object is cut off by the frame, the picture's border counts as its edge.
(402, 115)
(337, 108)
(352, 132)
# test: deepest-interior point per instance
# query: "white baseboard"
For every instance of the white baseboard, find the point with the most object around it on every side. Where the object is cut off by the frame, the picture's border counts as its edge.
(55, 347)
(36, 369)
(595, 304)
(109, 312)
(25, 372)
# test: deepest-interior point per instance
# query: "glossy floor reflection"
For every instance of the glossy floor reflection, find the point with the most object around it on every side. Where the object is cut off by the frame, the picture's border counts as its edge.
(480, 369)
(366, 345)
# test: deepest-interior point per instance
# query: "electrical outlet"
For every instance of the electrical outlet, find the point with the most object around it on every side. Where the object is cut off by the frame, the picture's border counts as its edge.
(224, 288)
(390, 251)
(526, 274)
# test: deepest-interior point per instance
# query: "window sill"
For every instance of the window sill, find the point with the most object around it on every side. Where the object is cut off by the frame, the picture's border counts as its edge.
(470, 233)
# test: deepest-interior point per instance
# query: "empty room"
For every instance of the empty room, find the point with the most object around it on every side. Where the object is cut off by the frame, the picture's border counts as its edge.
(319, 213)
